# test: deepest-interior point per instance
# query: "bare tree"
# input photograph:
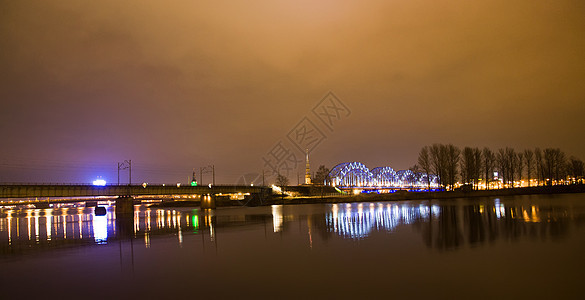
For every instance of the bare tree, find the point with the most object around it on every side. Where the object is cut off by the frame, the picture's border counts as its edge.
(560, 165)
(554, 163)
(452, 163)
(437, 153)
(466, 165)
(529, 162)
(539, 166)
(507, 161)
(470, 165)
(489, 160)
(424, 162)
(502, 164)
(477, 166)
(512, 162)
(576, 169)
(519, 165)
(282, 182)
(448, 162)
(322, 175)
(444, 160)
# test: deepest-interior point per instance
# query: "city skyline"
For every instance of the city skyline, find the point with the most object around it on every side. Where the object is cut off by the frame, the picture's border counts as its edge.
(184, 86)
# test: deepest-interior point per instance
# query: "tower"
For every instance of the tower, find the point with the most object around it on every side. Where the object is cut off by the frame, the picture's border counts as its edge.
(308, 170)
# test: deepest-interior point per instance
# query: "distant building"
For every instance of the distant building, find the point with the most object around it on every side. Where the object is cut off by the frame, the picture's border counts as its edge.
(308, 170)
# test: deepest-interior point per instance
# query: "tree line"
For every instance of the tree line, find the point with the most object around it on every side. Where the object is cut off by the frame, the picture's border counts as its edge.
(505, 166)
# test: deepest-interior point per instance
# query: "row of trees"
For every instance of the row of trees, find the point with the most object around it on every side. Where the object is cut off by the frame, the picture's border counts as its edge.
(472, 165)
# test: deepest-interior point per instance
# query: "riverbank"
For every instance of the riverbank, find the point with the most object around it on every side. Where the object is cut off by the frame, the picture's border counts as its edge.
(396, 196)
(405, 195)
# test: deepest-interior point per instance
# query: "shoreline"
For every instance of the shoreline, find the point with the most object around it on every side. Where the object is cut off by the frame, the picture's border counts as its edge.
(397, 196)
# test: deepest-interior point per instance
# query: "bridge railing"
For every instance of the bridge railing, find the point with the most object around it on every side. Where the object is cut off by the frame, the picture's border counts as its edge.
(31, 190)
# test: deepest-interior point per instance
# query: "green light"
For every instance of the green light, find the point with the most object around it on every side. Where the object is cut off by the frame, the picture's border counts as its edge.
(195, 222)
(193, 183)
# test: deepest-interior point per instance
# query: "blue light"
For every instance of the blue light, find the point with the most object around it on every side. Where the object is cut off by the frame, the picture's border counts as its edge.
(99, 182)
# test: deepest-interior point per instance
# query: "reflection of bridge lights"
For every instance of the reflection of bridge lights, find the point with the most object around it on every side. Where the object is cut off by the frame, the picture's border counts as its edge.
(195, 222)
(37, 229)
(174, 218)
(9, 220)
(356, 223)
(80, 223)
(502, 212)
(532, 216)
(180, 234)
(277, 218)
(499, 208)
(333, 217)
(147, 240)
(100, 229)
(209, 222)
(436, 211)
(136, 219)
(28, 217)
(148, 227)
(424, 211)
(48, 222)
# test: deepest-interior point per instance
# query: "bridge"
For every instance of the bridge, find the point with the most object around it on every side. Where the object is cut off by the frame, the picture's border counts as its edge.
(86, 190)
(352, 175)
(124, 193)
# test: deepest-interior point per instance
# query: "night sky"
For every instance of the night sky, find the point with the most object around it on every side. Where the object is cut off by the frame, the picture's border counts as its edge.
(179, 85)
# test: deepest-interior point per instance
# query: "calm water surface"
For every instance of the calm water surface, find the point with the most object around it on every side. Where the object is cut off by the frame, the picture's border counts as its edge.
(485, 248)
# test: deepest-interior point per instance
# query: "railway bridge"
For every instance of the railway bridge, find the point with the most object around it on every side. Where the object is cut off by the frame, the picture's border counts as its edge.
(23, 191)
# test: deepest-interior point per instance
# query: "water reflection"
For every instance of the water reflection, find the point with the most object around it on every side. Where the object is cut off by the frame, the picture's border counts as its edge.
(440, 225)
(453, 224)
(100, 229)
(277, 219)
(356, 221)
(30, 229)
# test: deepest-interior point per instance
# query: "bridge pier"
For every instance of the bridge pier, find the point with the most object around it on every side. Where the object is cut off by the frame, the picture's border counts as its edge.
(124, 206)
(208, 202)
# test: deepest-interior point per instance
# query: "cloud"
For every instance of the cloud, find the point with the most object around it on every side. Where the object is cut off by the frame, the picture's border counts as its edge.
(192, 82)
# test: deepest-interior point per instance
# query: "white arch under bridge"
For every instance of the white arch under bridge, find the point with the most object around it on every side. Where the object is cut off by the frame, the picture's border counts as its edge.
(357, 175)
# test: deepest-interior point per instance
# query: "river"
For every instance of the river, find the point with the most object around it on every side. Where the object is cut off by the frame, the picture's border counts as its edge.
(482, 248)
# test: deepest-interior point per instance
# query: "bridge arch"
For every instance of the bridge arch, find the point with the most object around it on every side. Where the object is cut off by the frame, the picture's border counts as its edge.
(356, 174)
(350, 174)
(385, 176)
(407, 178)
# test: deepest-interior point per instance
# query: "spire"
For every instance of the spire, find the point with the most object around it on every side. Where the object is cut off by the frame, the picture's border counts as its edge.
(308, 170)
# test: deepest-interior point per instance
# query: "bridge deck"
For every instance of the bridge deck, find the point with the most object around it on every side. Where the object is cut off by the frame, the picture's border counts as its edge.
(31, 191)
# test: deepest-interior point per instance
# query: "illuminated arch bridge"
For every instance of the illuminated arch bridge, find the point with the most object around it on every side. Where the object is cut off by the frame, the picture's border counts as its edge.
(356, 174)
